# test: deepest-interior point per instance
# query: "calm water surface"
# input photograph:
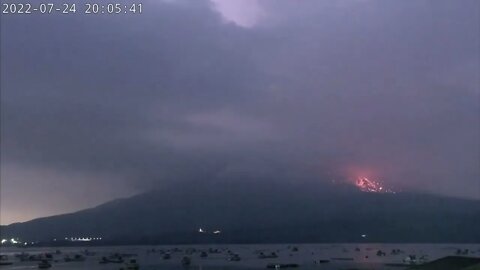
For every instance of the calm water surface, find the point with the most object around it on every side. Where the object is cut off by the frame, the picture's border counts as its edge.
(360, 256)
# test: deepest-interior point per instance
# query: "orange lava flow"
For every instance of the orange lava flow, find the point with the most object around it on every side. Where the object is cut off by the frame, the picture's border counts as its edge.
(367, 185)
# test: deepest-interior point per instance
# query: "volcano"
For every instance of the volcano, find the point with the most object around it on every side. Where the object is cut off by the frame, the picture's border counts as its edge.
(263, 213)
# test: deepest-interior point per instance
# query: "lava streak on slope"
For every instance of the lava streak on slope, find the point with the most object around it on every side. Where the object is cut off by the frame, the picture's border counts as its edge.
(367, 185)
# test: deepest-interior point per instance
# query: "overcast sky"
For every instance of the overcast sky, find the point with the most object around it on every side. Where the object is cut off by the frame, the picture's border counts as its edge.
(100, 107)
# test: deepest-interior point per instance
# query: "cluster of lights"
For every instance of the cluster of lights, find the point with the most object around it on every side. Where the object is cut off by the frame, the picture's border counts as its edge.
(73, 239)
(83, 239)
(367, 185)
(10, 241)
(200, 230)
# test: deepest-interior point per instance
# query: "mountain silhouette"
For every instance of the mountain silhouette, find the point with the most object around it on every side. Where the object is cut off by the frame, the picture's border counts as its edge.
(263, 213)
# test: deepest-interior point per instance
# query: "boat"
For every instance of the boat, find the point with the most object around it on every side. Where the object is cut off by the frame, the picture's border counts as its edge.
(190, 251)
(342, 259)
(396, 251)
(267, 256)
(4, 260)
(413, 260)
(214, 251)
(44, 264)
(75, 258)
(381, 253)
(186, 261)
(112, 259)
(132, 265)
(167, 256)
(462, 252)
(48, 256)
(282, 265)
(128, 255)
(234, 258)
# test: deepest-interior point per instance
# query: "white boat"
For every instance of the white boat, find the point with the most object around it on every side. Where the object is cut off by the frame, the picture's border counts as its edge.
(413, 260)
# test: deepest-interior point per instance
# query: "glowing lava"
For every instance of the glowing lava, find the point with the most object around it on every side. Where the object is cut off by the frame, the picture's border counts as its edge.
(367, 185)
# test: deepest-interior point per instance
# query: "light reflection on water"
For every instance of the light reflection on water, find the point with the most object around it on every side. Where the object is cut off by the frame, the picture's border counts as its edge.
(365, 258)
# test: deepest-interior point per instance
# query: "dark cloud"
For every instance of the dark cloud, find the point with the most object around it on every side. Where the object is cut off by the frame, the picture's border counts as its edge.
(311, 91)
